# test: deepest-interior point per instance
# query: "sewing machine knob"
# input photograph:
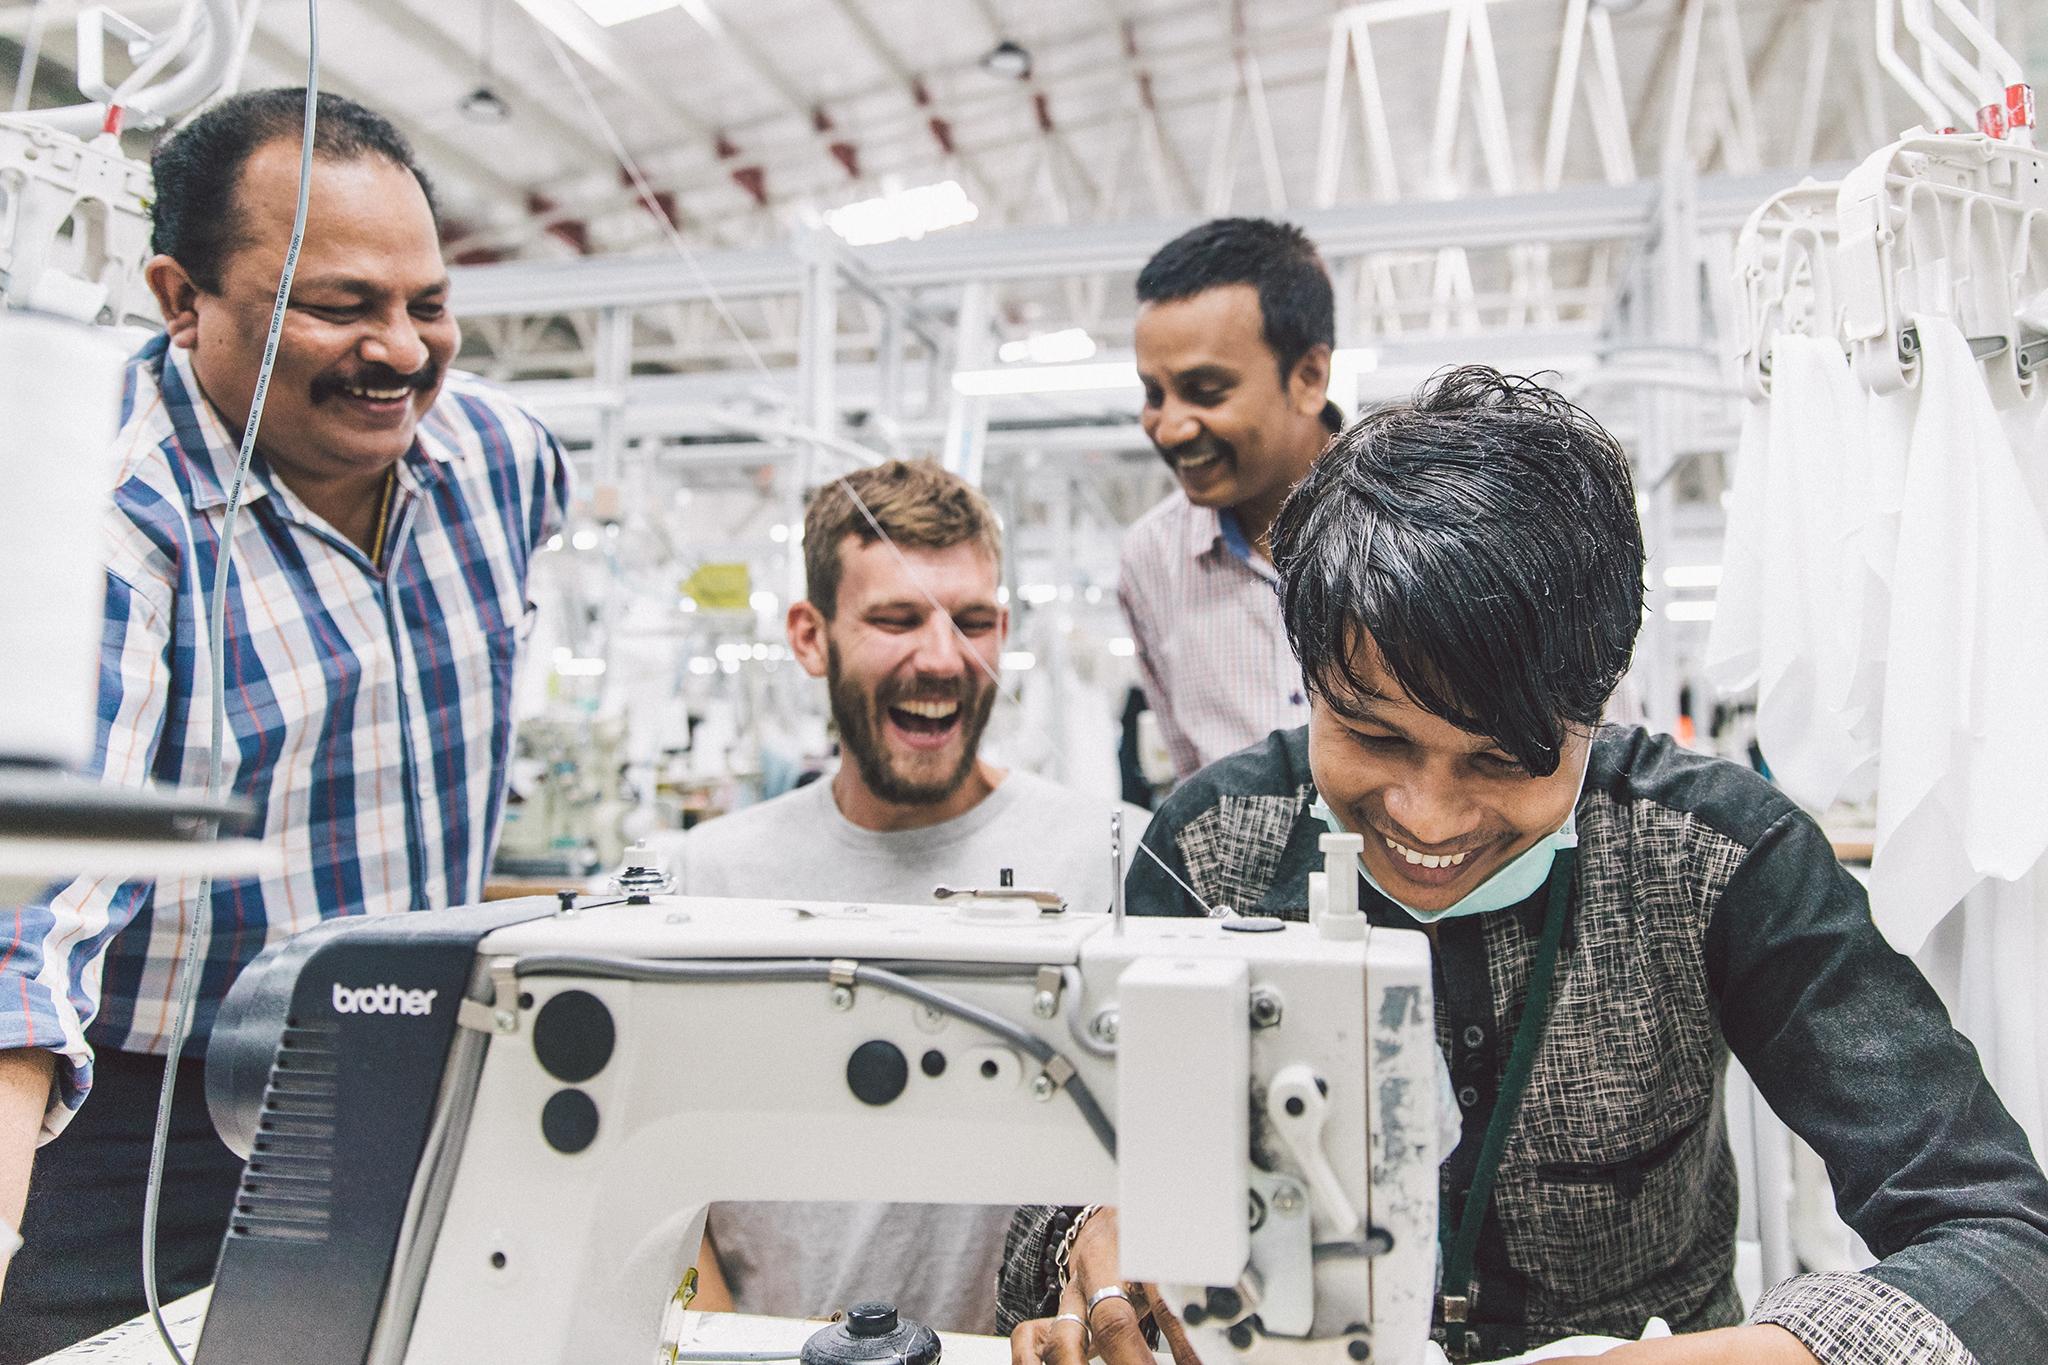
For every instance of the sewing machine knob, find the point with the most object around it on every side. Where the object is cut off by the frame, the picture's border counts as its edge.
(573, 1036)
(569, 1121)
(877, 1071)
(871, 1319)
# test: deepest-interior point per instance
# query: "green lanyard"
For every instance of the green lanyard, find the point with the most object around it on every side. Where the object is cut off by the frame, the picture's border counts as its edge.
(1458, 1250)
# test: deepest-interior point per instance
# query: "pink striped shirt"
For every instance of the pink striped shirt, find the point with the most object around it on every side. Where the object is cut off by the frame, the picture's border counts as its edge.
(1205, 615)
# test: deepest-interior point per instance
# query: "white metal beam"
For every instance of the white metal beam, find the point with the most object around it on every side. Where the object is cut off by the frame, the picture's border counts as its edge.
(1594, 214)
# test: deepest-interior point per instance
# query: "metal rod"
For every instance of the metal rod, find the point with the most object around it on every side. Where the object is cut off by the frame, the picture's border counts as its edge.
(1116, 868)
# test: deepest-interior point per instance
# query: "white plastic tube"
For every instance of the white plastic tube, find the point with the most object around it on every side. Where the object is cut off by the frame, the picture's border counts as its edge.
(215, 37)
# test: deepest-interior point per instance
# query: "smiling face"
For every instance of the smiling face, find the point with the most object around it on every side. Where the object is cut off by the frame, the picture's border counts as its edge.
(1216, 406)
(1441, 809)
(367, 334)
(912, 687)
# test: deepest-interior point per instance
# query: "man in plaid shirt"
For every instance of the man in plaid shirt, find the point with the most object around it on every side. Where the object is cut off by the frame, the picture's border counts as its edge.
(374, 615)
(1463, 584)
(1235, 324)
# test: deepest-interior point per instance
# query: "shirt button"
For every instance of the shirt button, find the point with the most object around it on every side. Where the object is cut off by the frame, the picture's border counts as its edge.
(1474, 1035)
(1468, 1096)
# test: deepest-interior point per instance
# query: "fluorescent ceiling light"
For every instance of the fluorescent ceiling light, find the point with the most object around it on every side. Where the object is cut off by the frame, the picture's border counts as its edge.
(902, 214)
(1690, 610)
(613, 12)
(1122, 646)
(1037, 593)
(1018, 660)
(1049, 348)
(1693, 576)
(1099, 375)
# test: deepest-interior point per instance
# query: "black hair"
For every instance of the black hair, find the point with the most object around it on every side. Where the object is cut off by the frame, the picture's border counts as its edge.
(1297, 309)
(196, 218)
(1483, 538)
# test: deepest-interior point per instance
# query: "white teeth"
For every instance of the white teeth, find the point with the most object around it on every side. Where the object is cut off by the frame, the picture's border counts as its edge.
(1415, 859)
(379, 395)
(930, 710)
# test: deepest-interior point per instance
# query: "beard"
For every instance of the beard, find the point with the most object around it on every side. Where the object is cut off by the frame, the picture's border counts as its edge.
(861, 718)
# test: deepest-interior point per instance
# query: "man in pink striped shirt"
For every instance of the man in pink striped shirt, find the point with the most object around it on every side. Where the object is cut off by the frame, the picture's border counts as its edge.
(1235, 326)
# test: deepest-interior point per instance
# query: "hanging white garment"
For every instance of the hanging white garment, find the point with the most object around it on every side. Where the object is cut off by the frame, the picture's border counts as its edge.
(1959, 793)
(1812, 570)
(1985, 961)
(1733, 641)
(1881, 471)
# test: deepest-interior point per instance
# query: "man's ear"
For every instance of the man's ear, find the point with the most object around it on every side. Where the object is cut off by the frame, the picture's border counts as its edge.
(805, 626)
(177, 298)
(1308, 388)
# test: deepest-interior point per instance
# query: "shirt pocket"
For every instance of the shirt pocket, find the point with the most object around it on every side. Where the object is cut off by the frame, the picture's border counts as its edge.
(1587, 1231)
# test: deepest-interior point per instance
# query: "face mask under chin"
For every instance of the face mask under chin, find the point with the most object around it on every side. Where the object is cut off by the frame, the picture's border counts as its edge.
(1514, 882)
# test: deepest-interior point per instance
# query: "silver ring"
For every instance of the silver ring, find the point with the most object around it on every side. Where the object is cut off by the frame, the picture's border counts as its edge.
(1087, 1336)
(1100, 1296)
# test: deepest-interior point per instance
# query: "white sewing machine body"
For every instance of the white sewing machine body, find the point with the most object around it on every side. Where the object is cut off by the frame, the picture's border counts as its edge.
(529, 1184)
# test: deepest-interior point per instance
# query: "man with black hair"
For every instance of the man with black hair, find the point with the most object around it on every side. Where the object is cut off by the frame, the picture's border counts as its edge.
(1611, 916)
(374, 614)
(1235, 327)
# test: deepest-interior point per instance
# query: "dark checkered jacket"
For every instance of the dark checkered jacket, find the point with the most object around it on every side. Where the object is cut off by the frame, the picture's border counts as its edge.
(1709, 915)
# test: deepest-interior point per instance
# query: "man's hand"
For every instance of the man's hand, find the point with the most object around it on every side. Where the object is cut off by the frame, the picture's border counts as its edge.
(1115, 1330)
(1759, 1345)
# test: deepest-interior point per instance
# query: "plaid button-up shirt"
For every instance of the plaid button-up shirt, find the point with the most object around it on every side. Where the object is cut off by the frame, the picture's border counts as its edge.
(1204, 612)
(369, 710)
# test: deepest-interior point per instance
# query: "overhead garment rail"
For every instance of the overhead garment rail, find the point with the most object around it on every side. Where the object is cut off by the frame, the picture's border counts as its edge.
(1950, 225)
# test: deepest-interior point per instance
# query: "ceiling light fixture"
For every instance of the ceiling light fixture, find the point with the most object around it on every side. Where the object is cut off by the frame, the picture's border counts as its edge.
(611, 13)
(903, 214)
(1049, 348)
(483, 104)
(1008, 60)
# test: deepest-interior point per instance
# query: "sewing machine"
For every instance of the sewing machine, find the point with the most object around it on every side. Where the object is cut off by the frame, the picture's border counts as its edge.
(491, 1133)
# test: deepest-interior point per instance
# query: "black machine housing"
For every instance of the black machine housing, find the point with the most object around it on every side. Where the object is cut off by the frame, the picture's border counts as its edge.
(323, 1073)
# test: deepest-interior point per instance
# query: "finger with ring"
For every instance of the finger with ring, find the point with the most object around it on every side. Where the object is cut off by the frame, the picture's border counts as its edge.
(1087, 1337)
(1101, 1296)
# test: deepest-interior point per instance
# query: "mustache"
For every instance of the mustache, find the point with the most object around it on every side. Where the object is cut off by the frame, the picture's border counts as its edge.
(376, 377)
(1201, 448)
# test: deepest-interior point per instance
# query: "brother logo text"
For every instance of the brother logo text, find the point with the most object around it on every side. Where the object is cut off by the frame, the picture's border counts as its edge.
(382, 1000)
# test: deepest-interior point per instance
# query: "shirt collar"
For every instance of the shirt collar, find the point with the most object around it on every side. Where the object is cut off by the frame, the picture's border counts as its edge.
(1207, 539)
(213, 453)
